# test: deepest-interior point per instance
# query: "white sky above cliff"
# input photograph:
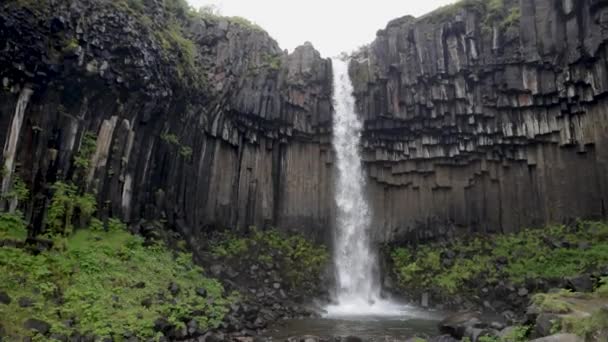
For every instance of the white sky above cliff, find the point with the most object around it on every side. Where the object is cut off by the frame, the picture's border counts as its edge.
(332, 26)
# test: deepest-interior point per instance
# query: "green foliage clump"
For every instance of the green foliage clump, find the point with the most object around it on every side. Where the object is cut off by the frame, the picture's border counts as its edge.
(65, 204)
(18, 190)
(518, 334)
(548, 253)
(493, 13)
(109, 283)
(272, 62)
(245, 23)
(12, 226)
(172, 139)
(298, 259)
(82, 160)
(551, 302)
(589, 328)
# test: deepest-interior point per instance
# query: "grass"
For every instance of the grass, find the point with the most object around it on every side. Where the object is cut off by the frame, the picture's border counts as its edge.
(12, 227)
(108, 283)
(552, 303)
(297, 258)
(578, 312)
(530, 254)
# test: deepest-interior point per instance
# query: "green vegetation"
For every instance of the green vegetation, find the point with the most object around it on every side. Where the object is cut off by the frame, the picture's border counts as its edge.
(18, 189)
(108, 282)
(297, 258)
(587, 327)
(547, 253)
(552, 302)
(172, 139)
(494, 12)
(583, 314)
(12, 226)
(82, 160)
(66, 204)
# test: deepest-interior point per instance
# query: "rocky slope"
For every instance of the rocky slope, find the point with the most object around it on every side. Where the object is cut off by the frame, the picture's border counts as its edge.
(486, 115)
(199, 120)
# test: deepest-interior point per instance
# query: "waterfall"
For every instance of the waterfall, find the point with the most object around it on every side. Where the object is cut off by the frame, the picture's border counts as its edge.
(358, 290)
(10, 147)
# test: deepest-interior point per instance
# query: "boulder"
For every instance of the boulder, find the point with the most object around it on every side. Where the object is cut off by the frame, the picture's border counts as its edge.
(560, 338)
(581, 283)
(25, 302)
(5, 298)
(544, 324)
(37, 325)
(457, 325)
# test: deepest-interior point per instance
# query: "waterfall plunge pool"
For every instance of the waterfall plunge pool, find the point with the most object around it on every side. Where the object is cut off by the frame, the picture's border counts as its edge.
(369, 327)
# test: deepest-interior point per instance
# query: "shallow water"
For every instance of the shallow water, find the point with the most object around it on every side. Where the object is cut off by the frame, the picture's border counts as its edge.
(368, 327)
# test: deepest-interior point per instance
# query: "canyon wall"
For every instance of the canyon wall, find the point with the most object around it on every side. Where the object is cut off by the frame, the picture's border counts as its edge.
(481, 119)
(200, 120)
(477, 119)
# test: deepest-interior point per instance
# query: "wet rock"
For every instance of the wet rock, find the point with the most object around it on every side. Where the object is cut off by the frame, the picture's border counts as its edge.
(582, 283)
(424, 301)
(559, 338)
(544, 324)
(352, 339)
(37, 325)
(443, 338)
(457, 324)
(305, 338)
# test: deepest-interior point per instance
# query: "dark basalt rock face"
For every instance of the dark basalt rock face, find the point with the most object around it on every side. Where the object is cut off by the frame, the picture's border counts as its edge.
(241, 141)
(486, 126)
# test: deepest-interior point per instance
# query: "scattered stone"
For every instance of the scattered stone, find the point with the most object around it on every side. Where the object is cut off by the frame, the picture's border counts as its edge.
(25, 302)
(146, 302)
(522, 292)
(174, 288)
(5, 298)
(40, 326)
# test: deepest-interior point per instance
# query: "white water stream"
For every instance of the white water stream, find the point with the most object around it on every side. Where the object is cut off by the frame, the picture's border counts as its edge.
(358, 288)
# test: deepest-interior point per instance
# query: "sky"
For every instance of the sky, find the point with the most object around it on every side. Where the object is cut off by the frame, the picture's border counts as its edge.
(332, 26)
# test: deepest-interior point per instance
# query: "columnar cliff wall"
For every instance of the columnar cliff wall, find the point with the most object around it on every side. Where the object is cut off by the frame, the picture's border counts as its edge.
(481, 119)
(203, 124)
